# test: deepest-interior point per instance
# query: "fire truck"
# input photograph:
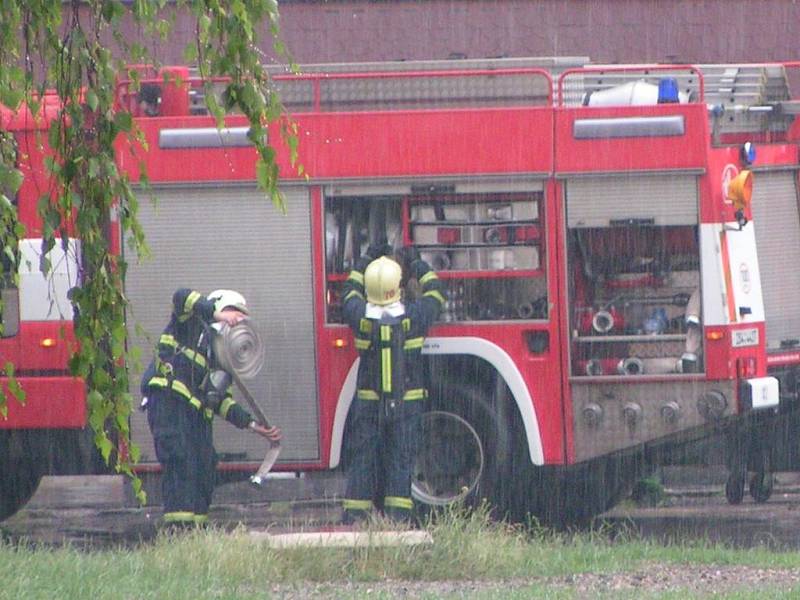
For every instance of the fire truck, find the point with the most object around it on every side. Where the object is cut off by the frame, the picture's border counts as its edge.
(618, 245)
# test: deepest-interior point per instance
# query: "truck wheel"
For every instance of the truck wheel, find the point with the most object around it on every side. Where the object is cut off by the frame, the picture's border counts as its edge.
(563, 497)
(73, 452)
(462, 456)
(450, 460)
(23, 461)
(17, 491)
(595, 486)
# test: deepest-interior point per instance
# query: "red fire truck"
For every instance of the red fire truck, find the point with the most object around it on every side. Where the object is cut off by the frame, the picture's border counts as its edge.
(618, 243)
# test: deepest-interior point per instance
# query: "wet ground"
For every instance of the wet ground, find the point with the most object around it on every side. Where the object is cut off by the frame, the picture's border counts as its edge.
(94, 513)
(705, 514)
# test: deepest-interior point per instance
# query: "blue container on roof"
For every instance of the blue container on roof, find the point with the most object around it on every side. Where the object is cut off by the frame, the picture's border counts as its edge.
(668, 90)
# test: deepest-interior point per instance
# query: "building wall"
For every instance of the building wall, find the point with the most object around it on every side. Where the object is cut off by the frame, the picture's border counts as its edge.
(627, 31)
(605, 30)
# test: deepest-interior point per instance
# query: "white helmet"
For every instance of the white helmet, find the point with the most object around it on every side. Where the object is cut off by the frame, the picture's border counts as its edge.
(382, 281)
(228, 299)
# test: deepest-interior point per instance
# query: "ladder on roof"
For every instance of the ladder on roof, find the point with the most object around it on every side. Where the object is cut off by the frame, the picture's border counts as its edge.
(741, 97)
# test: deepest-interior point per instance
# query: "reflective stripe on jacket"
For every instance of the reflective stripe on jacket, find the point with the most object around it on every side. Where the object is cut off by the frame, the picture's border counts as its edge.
(391, 348)
(184, 358)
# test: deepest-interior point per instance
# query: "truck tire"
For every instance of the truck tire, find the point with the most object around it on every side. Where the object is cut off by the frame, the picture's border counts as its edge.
(23, 461)
(462, 457)
(510, 485)
(73, 452)
(569, 496)
(450, 460)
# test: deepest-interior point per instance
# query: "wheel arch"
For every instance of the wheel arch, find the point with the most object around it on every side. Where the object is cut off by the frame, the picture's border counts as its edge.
(493, 354)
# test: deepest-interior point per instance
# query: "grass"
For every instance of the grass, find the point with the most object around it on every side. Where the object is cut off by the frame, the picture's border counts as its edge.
(467, 546)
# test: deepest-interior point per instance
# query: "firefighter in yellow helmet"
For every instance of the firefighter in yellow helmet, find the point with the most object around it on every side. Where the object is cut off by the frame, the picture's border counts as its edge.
(385, 417)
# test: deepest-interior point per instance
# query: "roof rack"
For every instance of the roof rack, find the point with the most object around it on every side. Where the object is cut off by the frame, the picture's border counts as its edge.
(741, 98)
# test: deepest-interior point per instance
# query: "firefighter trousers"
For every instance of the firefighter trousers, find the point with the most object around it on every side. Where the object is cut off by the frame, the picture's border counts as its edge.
(184, 446)
(380, 453)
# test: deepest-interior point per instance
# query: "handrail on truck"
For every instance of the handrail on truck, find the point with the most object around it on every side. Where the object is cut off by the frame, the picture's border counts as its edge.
(316, 79)
(644, 69)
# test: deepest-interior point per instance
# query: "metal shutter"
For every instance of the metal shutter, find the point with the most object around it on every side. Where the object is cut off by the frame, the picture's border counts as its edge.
(777, 226)
(232, 237)
(666, 198)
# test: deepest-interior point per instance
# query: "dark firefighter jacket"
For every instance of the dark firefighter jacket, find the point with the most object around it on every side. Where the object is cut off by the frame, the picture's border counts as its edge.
(391, 349)
(184, 359)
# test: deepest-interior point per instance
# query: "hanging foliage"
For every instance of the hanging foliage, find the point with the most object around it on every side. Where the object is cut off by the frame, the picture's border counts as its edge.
(78, 50)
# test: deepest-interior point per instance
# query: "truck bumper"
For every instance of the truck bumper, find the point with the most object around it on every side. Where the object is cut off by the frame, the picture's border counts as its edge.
(49, 403)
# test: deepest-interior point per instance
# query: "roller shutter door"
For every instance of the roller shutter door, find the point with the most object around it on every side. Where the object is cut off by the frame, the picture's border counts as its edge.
(663, 199)
(232, 237)
(777, 225)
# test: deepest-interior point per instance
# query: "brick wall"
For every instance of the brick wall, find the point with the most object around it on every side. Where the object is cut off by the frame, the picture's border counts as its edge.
(605, 30)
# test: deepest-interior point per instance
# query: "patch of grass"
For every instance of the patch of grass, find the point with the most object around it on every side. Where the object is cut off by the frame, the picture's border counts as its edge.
(648, 492)
(468, 546)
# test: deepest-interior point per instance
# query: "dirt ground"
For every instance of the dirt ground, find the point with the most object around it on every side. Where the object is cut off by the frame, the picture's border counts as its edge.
(96, 511)
(695, 581)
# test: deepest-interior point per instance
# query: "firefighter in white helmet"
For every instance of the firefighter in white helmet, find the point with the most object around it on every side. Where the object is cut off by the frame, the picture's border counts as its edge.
(183, 388)
(384, 422)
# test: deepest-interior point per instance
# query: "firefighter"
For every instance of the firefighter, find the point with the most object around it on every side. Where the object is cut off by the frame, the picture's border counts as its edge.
(385, 416)
(183, 388)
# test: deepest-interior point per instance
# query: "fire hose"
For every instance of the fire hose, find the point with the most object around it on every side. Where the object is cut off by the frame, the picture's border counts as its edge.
(239, 349)
(240, 352)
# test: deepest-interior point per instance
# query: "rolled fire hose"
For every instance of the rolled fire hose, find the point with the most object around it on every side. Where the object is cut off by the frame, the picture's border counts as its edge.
(631, 366)
(239, 351)
(525, 310)
(603, 321)
(594, 367)
(661, 366)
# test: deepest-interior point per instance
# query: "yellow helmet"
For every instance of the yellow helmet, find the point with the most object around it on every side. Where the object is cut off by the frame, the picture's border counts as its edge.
(382, 281)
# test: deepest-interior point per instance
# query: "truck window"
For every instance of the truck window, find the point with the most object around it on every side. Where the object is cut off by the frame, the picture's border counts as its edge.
(9, 296)
(487, 247)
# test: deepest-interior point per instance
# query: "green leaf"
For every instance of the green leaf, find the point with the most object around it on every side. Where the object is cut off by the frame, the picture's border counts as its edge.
(96, 419)
(123, 121)
(94, 167)
(105, 446)
(11, 97)
(11, 179)
(263, 174)
(91, 99)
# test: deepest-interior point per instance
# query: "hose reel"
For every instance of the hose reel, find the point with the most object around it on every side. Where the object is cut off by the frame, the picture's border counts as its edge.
(239, 349)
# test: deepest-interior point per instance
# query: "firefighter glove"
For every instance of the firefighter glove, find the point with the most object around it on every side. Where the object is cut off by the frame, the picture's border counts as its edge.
(406, 257)
(418, 268)
(376, 250)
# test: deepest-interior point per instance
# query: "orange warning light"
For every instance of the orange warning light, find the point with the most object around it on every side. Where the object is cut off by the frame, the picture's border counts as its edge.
(740, 190)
